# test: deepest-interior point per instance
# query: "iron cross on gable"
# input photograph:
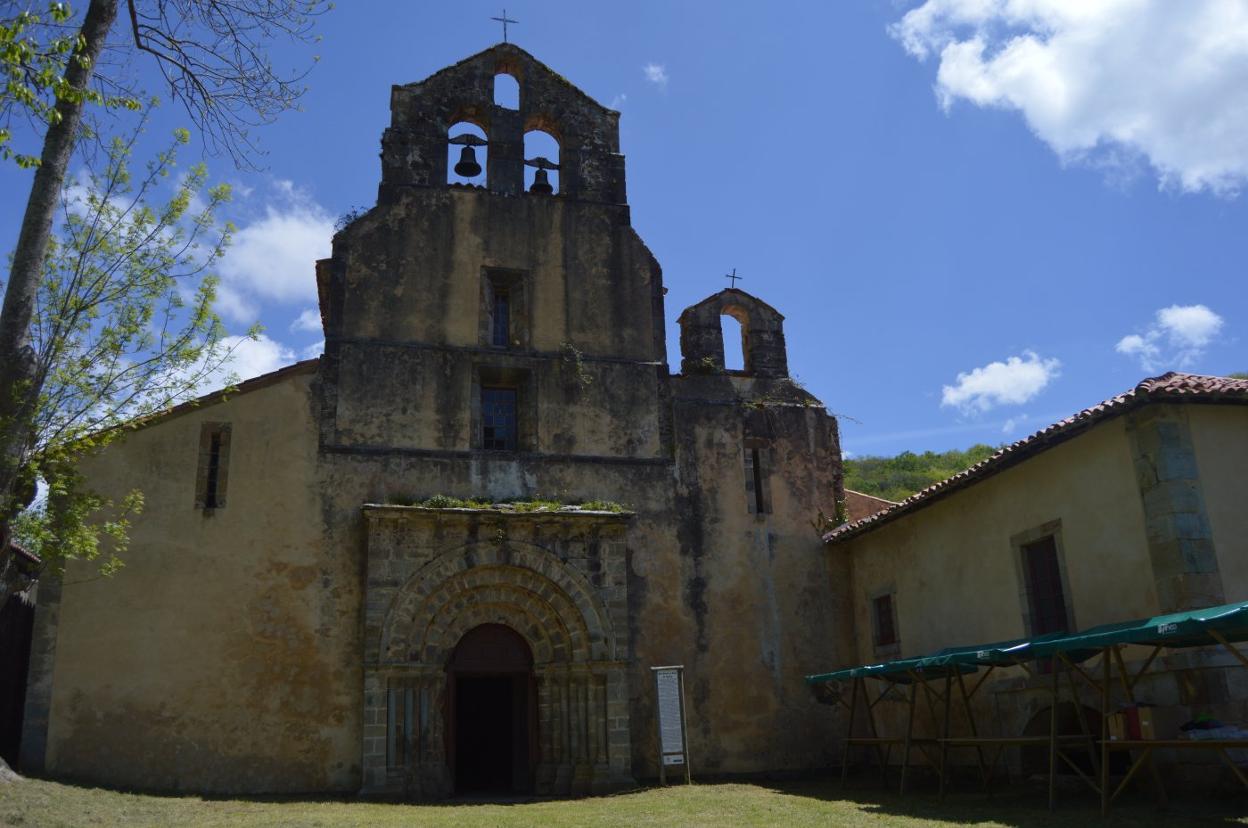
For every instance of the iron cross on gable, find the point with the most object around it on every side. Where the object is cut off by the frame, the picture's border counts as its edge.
(734, 277)
(504, 20)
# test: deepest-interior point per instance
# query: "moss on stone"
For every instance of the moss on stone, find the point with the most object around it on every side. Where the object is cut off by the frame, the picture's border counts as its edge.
(535, 504)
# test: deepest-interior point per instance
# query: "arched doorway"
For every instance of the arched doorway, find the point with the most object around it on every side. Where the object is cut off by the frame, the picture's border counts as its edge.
(491, 738)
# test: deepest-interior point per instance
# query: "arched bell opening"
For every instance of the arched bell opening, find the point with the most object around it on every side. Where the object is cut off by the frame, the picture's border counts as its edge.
(734, 325)
(467, 154)
(491, 719)
(506, 91)
(541, 162)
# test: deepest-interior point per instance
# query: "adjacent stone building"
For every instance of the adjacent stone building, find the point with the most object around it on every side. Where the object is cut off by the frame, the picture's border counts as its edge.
(1129, 509)
(328, 592)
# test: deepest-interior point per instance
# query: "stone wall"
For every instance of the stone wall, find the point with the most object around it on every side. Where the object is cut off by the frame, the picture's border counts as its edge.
(1126, 499)
(323, 601)
(556, 579)
(224, 655)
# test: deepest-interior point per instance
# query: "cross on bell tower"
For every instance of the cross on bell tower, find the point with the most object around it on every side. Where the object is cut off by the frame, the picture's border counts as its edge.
(504, 20)
(733, 277)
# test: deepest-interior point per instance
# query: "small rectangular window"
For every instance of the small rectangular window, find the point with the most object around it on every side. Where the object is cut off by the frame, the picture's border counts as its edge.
(213, 468)
(885, 623)
(214, 471)
(756, 490)
(498, 419)
(500, 334)
(503, 321)
(1046, 601)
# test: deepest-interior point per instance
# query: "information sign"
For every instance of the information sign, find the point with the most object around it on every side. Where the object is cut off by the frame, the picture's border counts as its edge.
(669, 683)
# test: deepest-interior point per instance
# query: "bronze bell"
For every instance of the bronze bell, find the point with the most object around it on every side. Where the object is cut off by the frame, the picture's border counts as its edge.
(468, 166)
(541, 183)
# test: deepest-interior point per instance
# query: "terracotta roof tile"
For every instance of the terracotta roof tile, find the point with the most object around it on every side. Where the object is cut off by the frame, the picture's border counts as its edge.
(1171, 386)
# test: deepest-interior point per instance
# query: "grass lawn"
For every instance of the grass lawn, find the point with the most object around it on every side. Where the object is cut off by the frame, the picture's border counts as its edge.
(39, 803)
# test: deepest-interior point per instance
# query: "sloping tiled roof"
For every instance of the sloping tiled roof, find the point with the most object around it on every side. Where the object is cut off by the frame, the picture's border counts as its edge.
(859, 505)
(245, 386)
(1171, 387)
(21, 552)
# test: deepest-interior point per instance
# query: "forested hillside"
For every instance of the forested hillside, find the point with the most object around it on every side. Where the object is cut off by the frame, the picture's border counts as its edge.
(896, 478)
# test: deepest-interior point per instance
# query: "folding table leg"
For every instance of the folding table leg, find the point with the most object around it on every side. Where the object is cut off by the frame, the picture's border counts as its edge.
(1159, 787)
(944, 743)
(1239, 774)
(1105, 677)
(849, 731)
(1053, 740)
(905, 753)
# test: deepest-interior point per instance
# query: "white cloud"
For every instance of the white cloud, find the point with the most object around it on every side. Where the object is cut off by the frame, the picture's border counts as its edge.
(274, 257)
(248, 358)
(1189, 326)
(1013, 423)
(1144, 347)
(234, 304)
(1100, 80)
(656, 73)
(309, 320)
(1178, 336)
(1013, 382)
(618, 101)
(314, 350)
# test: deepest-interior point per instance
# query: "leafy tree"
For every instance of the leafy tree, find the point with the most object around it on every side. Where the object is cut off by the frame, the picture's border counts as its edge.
(211, 57)
(123, 328)
(896, 478)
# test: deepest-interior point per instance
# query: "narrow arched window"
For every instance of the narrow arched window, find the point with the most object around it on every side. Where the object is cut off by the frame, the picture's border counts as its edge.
(541, 159)
(506, 91)
(733, 332)
(466, 162)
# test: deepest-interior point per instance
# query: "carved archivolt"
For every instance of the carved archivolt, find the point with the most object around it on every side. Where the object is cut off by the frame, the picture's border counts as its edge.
(517, 584)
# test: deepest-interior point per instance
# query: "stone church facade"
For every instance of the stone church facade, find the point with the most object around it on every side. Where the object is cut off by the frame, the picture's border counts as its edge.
(329, 591)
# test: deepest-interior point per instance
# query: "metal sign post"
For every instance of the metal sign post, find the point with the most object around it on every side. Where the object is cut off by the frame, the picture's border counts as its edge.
(669, 685)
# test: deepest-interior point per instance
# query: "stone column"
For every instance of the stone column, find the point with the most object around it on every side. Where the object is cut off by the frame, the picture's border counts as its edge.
(545, 775)
(598, 733)
(373, 752)
(563, 736)
(1180, 540)
(582, 775)
(619, 742)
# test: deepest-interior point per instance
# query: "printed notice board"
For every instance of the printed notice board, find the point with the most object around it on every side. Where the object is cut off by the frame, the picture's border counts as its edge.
(669, 685)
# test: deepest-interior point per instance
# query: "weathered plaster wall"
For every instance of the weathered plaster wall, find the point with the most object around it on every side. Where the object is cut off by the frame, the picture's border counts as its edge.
(588, 277)
(1220, 436)
(954, 568)
(240, 635)
(956, 577)
(960, 546)
(405, 311)
(224, 656)
(744, 600)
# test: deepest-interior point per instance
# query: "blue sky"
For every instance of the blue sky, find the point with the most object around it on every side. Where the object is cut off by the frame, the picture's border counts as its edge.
(976, 220)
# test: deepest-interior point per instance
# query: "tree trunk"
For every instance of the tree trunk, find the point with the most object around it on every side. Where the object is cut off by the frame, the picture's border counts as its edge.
(19, 389)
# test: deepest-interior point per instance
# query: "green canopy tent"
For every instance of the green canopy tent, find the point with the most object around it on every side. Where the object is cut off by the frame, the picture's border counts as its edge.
(1218, 626)
(911, 673)
(952, 664)
(1062, 653)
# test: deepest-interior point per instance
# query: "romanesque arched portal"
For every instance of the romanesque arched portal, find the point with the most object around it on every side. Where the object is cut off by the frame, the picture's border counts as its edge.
(556, 582)
(491, 717)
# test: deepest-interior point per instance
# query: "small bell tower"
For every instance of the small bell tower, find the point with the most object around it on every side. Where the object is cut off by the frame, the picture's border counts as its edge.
(424, 115)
